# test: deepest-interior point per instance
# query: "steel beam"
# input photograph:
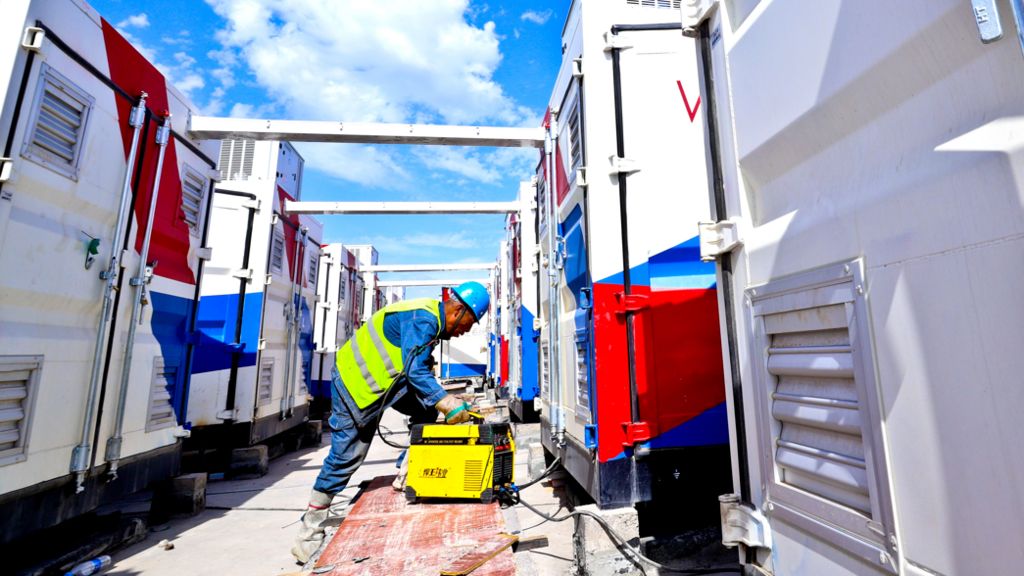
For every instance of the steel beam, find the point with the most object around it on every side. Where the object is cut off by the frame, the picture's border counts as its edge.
(430, 282)
(426, 267)
(211, 128)
(400, 207)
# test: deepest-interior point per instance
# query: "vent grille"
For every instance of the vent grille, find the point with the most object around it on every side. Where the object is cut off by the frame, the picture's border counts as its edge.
(546, 370)
(193, 191)
(820, 445)
(266, 382)
(236, 159)
(161, 413)
(575, 142)
(58, 126)
(473, 477)
(654, 3)
(18, 378)
(277, 252)
(314, 264)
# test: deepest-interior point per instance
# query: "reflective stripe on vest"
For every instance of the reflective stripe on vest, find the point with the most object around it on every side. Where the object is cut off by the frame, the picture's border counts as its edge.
(368, 363)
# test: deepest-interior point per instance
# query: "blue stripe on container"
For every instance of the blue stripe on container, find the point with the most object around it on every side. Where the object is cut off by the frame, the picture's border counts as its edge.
(215, 326)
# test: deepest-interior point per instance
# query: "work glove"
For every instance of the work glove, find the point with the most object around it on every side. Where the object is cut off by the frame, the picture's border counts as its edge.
(455, 411)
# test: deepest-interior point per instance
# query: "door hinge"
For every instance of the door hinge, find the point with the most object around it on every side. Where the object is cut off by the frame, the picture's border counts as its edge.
(717, 238)
(32, 39)
(615, 42)
(577, 67)
(6, 166)
(204, 253)
(631, 302)
(228, 414)
(253, 205)
(694, 12)
(986, 16)
(746, 527)
(262, 345)
(242, 273)
(636, 432)
(622, 166)
(581, 177)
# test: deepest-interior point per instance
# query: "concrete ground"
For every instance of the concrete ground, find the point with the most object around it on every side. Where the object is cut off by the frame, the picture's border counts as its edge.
(248, 525)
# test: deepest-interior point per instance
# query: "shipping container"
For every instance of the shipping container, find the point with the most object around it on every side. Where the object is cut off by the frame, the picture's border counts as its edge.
(633, 400)
(252, 372)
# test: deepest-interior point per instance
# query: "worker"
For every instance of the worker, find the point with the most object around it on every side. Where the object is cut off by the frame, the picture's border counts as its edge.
(384, 364)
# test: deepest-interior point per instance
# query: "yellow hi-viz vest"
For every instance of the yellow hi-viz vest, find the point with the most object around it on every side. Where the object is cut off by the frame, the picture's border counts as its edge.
(368, 363)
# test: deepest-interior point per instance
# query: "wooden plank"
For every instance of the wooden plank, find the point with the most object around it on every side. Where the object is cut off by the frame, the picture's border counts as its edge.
(385, 535)
(475, 559)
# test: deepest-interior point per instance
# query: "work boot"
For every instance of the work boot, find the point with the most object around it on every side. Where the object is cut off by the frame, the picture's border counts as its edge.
(311, 533)
(403, 470)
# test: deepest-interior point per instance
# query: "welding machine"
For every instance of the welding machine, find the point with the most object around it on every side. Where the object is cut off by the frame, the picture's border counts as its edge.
(459, 461)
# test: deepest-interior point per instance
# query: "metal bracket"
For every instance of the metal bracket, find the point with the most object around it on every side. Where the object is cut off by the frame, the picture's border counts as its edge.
(636, 432)
(577, 67)
(227, 415)
(6, 167)
(32, 39)
(631, 302)
(746, 527)
(622, 166)
(581, 177)
(204, 253)
(986, 16)
(615, 42)
(694, 12)
(262, 345)
(269, 279)
(245, 274)
(717, 238)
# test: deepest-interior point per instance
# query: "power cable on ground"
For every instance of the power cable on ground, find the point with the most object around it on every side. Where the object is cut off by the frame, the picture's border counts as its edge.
(512, 496)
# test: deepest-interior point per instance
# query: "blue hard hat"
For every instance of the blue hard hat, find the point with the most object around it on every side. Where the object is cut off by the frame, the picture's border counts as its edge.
(475, 297)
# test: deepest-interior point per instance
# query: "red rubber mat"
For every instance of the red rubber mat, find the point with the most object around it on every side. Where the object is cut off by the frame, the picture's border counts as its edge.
(385, 535)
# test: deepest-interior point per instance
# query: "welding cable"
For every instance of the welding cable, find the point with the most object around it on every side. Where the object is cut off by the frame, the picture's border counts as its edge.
(624, 546)
(384, 403)
(404, 373)
(547, 472)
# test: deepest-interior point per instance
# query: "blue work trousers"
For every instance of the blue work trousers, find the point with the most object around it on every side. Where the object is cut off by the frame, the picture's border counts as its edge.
(350, 443)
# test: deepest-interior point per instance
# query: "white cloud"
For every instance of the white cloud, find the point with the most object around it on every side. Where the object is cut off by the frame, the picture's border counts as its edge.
(364, 62)
(367, 165)
(136, 21)
(539, 18)
(486, 166)
(396, 247)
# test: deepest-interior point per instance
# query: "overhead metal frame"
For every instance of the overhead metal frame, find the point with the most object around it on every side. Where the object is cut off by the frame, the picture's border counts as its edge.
(430, 282)
(214, 128)
(301, 207)
(427, 267)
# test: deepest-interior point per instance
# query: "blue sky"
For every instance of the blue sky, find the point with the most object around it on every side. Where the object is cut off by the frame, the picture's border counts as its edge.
(436, 61)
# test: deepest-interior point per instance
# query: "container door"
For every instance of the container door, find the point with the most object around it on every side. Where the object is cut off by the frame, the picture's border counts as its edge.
(876, 180)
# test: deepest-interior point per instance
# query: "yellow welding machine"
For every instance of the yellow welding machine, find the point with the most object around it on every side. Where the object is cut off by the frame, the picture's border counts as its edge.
(459, 461)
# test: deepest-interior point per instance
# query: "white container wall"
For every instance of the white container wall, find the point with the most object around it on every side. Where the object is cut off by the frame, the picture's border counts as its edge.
(870, 154)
